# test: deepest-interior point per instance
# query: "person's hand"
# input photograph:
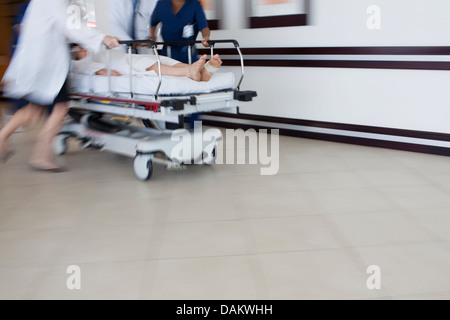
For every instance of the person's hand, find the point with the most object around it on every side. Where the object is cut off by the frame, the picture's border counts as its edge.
(104, 72)
(111, 42)
(205, 42)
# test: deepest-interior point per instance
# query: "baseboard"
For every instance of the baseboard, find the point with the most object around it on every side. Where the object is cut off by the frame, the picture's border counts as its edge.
(388, 138)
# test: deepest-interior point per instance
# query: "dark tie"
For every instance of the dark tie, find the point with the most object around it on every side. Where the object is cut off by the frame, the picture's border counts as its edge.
(135, 7)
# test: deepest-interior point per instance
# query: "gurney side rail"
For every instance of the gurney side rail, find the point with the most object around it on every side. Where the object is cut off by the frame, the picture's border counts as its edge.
(189, 44)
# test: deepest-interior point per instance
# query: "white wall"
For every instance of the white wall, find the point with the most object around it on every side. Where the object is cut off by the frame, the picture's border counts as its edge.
(343, 23)
(416, 100)
(404, 99)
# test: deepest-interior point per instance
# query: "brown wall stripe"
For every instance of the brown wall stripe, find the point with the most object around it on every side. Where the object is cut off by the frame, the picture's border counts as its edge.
(437, 136)
(436, 50)
(293, 20)
(342, 139)
(396, 65)
(316, 63)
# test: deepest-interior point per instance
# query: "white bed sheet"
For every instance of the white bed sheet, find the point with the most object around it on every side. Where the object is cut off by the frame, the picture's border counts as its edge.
(147, 84)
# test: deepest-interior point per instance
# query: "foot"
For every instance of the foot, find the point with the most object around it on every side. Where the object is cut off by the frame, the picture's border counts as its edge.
(44, 165)
(194, 71)
(205, 75)
(215, 61)
(6, 151)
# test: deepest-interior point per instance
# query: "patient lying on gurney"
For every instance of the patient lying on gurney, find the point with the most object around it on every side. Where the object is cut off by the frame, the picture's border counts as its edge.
(142, 64)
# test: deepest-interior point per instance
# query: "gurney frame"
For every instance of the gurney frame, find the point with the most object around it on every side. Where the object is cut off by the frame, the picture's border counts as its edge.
(149, 145)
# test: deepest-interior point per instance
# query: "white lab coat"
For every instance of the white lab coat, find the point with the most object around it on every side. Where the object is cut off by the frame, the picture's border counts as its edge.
(122, 18)
(41, 62)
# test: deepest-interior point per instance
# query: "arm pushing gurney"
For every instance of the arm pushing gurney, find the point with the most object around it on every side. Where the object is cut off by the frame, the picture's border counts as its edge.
(89, 106)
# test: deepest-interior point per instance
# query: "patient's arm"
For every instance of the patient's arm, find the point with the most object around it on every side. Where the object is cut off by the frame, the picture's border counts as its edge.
(104, 72)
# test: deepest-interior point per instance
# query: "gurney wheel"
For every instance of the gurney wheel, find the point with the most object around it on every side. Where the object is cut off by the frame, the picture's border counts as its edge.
(60, 145)
(210, 159)
(143, 167)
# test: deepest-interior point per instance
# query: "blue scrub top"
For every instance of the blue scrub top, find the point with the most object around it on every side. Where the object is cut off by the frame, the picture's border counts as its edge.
(173, 25)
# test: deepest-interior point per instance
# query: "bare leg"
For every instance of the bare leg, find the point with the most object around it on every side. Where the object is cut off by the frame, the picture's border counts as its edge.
(30, 114)
(215, 62)
(182, 70)
(42, 157)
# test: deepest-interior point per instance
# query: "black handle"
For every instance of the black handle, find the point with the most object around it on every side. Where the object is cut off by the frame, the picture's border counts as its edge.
(131, 42)
(192, 43)
(174, 43)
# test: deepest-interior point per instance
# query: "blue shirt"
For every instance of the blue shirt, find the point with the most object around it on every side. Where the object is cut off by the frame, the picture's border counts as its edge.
(173, 24)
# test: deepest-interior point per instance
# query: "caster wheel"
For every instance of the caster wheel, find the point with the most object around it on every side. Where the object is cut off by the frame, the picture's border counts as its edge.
(60, 145)
(210, 159)
(143, 167)
(148, 123)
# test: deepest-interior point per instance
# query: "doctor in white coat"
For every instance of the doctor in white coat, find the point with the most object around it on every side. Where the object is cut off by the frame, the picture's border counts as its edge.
(39, 69)
(130, 19)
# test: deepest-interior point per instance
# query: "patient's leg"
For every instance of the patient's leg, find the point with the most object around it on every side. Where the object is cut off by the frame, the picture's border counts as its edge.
(193, 71)
(215, 62)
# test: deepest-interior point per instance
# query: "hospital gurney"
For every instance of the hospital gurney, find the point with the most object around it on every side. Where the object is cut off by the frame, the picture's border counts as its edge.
(148, 145)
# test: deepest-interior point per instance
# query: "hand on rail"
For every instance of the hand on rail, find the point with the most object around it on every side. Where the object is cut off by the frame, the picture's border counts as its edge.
(111, 42)
(205, 42)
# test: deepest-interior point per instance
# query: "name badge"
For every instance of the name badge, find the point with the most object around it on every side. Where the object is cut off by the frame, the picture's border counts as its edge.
(188, 31)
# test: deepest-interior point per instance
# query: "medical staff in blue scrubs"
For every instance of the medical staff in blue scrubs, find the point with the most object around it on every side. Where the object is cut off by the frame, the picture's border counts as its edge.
(181, 20)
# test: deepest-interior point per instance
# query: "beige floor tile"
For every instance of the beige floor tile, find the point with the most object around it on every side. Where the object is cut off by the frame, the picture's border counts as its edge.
(436, 221)
(105, 281)
(203, 239)
(292, 233)
(392, 177)
(221, 278)
(208, 208)
(379, 228)
(422, 161)
(409, 269)
(302, 162)
(332, 180)
(272, 205)
(108, 244)
(32, 215)
(268, 184)
(418, 197)
(353, 201)
(373, 160)
(32, 247)
(309, 275)
(199, 182)
(225, 231)
(135, 211)
(441, 177)
(19, 283)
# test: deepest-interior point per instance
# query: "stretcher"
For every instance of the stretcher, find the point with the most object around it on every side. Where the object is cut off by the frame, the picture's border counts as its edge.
(91, 111)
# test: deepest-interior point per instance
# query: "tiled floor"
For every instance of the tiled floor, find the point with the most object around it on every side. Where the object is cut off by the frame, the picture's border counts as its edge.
(225, 232)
